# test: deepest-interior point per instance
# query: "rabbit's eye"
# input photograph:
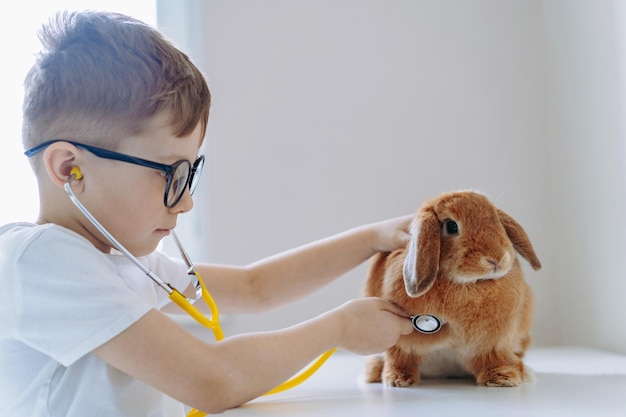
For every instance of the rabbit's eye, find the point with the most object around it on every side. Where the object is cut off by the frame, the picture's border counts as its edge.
(450, 227)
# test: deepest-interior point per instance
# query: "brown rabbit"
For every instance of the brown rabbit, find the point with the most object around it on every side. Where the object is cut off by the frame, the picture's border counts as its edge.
(461, 267)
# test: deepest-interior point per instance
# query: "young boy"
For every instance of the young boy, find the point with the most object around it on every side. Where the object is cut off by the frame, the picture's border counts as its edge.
(82, 330)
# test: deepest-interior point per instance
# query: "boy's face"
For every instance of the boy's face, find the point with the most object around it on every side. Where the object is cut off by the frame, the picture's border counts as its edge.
(128, 199)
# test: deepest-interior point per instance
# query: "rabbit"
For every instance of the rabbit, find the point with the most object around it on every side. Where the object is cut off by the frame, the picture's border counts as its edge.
(460, 265)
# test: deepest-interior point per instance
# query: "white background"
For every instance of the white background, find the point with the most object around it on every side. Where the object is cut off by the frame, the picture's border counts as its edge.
(330, 114)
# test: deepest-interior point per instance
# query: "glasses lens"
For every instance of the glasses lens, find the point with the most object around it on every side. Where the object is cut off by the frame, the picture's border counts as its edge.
(180, 179)
(195, 174)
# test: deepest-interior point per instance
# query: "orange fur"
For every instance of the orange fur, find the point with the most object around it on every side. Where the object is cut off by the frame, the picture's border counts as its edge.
(472, 280)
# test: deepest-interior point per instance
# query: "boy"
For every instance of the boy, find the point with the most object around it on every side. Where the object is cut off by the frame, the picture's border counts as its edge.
(82, 329)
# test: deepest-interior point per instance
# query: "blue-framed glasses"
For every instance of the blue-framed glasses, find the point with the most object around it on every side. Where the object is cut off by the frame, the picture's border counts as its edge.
(179, 175)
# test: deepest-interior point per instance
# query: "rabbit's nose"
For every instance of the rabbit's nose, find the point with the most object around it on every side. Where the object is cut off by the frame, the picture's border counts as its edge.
(499, 265)
(493, 263)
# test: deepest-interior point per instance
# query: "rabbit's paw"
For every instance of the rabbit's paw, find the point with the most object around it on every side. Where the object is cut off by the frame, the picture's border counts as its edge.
(397, 378)
(503, 376)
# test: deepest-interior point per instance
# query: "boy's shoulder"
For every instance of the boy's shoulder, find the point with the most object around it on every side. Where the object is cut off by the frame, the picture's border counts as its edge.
(27, 230)
(27, 241)
(16, 238)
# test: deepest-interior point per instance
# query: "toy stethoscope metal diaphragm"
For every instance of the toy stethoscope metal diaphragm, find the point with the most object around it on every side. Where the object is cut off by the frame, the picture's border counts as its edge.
(426, 323)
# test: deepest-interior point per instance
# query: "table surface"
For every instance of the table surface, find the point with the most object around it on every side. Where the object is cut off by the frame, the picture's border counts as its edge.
(569, 381)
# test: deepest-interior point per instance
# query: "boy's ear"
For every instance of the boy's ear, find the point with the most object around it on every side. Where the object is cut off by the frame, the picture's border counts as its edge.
(59, 159)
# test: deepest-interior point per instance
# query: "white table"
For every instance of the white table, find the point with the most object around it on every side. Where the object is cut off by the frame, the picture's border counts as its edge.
(569, 382)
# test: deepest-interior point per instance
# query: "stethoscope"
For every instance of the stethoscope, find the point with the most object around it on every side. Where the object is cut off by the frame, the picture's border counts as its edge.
(212, 322)
(427, 323)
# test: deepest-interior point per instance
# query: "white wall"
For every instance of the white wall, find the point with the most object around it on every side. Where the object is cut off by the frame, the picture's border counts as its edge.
(330, 114)
(333, 113)
(584, 53)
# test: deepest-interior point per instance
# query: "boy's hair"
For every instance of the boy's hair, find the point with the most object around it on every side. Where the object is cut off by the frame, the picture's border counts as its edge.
(102, 76)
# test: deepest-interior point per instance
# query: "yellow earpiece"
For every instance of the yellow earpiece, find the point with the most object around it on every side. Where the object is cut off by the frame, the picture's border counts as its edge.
(76, 172)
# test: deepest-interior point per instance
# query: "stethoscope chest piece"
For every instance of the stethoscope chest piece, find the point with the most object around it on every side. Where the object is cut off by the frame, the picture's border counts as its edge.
(426, 323)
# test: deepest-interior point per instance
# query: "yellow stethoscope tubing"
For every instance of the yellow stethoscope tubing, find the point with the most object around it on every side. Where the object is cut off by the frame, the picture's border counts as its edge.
(183, 302)
(212, 322)
(214, 325)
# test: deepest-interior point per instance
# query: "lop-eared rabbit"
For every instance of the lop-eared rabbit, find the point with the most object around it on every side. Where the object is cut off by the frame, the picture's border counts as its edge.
(460, 279)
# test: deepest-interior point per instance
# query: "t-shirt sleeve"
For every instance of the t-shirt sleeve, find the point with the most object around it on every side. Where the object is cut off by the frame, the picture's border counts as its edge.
(68, 296)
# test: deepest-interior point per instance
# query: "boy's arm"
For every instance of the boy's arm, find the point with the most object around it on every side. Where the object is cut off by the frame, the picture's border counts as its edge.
(214, 377)
(285, 277)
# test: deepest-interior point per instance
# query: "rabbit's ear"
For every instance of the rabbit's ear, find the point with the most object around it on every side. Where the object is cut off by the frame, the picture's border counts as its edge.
(520, 239)
(422, 256)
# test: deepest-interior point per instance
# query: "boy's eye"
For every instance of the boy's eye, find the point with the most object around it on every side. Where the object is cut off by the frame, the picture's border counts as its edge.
(450, 227)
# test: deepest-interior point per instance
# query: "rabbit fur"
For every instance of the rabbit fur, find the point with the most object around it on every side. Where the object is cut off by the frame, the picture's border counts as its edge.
(461, 266)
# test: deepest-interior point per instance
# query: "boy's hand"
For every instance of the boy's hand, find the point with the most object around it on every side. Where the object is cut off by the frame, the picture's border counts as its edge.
(371, 325)
(391, 234)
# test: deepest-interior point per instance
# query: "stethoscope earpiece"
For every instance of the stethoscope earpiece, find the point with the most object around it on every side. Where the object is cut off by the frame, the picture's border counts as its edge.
(426, 323)
(75, 171)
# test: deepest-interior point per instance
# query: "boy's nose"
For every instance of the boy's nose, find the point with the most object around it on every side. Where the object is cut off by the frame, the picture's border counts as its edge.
(184, 204)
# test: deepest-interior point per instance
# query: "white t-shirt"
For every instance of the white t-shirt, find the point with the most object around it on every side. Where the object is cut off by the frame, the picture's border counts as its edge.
(61, 298)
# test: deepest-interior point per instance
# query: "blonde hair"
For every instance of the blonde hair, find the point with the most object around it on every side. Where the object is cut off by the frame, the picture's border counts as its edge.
(103, 75)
